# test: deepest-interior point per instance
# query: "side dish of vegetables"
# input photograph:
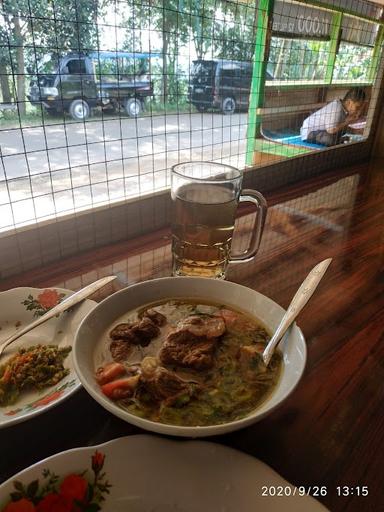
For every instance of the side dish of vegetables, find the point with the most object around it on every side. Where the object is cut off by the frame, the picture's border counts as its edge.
(184, 362)
(36, 367)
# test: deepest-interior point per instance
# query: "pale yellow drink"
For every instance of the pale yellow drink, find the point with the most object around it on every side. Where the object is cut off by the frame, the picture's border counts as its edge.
(202, 227)
(205, 196)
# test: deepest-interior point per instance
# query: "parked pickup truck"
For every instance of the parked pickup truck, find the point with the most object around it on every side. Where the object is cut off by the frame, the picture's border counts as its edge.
(77, 83)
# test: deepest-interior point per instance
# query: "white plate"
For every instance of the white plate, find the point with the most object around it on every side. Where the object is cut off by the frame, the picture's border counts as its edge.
(151, 474)
(58, 331)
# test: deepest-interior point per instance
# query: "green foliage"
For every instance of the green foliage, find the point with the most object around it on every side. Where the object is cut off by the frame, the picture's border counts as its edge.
(64, 24)
(214, 28)
(298, 59)
(235, 31)
(4, 51)
(201, 15)
(78, 33)
(29, 29)
(292, 59)
(352, 62)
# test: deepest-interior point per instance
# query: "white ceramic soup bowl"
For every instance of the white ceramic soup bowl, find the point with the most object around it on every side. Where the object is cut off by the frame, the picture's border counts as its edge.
(90, 336)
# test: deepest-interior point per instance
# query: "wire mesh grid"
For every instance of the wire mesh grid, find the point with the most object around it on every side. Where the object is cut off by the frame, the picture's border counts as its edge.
(291, 226)
(99, 99)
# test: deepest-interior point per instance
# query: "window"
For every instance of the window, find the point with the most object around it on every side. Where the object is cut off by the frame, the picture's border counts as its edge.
(355, 52)
(353, 62)
(298, 59)
(76, 67)
(231, 75)
(166, 81)
(106, 69)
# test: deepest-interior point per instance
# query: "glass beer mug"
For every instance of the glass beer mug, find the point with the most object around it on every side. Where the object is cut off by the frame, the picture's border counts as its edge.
(205, 196)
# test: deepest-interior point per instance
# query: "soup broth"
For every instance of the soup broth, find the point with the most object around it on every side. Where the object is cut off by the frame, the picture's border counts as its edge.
(187, 362)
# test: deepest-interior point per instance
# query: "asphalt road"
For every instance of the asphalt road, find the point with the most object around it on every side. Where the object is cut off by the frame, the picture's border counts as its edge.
(70, 166)
(59, 146)
(65, 167)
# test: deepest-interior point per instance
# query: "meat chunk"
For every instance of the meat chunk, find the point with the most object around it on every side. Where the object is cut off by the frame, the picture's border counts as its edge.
(162, 384)
(122, 332)
(236, 322)
(192, 343)
(139, 333)
(208, 326)
(196, 354)
(145, 330)
(120, 350)
(182, 348)
(156, 317)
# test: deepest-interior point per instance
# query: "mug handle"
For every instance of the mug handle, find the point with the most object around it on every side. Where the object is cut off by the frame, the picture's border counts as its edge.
(254, 197)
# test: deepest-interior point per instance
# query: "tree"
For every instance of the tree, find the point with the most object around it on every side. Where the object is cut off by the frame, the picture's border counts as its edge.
(173, 25)
(4, 65)
(15, 16)
(235, 31)
(353, 62)
(202, 15)
(57, 26)
(75, 25)
(167, 20)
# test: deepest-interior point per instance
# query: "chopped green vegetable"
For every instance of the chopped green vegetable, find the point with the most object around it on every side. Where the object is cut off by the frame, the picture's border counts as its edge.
(35, 367)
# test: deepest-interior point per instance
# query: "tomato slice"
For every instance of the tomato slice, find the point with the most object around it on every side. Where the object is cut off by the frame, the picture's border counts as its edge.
(121, 388)
(109, 372)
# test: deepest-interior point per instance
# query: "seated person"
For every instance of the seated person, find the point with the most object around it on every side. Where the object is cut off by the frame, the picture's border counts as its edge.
(328, 125)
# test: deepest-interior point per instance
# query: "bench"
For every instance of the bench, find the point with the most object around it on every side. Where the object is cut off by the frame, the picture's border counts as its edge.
(289, 138)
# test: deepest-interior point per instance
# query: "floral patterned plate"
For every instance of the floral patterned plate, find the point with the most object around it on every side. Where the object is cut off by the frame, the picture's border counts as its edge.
(151, 474)
(20, 306)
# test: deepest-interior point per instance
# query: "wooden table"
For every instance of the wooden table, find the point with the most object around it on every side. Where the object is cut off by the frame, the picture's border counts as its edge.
(330, 432)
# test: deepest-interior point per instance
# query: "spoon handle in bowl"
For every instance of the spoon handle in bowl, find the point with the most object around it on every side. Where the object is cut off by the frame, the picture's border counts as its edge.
(301, 297)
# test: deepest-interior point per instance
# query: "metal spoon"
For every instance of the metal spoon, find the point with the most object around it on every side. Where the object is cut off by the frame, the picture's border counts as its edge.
(63, 306)
(302, 296)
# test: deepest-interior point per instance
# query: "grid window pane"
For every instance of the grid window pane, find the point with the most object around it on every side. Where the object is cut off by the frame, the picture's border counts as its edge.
(98, 99)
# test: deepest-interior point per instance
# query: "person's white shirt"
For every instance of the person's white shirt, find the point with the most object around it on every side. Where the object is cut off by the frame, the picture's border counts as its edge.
(324, 119)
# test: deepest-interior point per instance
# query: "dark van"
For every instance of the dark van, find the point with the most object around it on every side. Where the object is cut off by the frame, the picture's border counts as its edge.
(221, 84)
